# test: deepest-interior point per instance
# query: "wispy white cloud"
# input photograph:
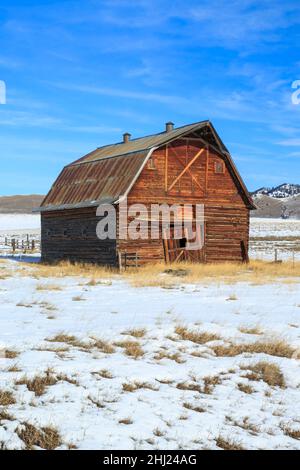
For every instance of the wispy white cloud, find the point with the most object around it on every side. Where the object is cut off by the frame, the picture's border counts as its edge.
(127, 94)
(290, 142)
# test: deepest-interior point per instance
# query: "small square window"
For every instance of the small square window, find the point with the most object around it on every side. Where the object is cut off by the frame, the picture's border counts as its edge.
(151, 164)
(219, 167)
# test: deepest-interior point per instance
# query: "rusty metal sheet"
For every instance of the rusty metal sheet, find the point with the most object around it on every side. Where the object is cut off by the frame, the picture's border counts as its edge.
(102, 180)
(139, 144)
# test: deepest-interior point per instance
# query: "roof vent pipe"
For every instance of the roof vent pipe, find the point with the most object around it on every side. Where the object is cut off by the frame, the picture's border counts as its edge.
(126, 137)
(169, 126)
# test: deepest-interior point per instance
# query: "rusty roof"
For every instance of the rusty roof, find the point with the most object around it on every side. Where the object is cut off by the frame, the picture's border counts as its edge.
(94, 182)
(141, 143)
(110, 171)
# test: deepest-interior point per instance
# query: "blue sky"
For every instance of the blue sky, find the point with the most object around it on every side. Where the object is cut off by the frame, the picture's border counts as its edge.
(80, 73)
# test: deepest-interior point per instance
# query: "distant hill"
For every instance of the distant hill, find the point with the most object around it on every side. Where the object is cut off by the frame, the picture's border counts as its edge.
(19, 204)
(279, 192)
(271, 206)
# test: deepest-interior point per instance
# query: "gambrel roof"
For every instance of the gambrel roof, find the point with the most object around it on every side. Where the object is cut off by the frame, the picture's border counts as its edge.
(110, 171)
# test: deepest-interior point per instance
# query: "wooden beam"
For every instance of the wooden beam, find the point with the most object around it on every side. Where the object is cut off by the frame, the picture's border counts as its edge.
(179, 256)
(186, 169)
(206, 170)
(190, 173)
(166, 168)
(182, 164)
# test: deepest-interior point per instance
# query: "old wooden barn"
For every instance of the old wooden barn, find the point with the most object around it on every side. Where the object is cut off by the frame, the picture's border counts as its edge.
(185, 165)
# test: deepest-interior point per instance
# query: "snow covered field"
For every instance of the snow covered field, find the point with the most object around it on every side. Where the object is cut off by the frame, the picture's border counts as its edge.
(19, 223)
(266, 235)
(100, 364)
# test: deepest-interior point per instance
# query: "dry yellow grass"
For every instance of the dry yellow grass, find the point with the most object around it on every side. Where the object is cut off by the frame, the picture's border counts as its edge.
(54, 287)
(46, 438)
(6, 398)
(257, 271)
(63, 338)
(228, 444)
(159, 274)
(5, 416)
(10, 354)
(291, 432)
(133, 386)
(266, 371)
(136, 333)
(195, 337)
(248, 330)
(277, 348)
(125, 421)
(132, 348)
(171, 356)
(245, 388)
(105, 374)
(66, 268)
(39, 383)
(191, 407)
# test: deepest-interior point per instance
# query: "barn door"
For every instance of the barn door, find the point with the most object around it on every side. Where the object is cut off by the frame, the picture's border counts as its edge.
(177, 250)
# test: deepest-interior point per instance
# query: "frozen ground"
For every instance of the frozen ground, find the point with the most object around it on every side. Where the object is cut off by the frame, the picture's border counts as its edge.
(268, 235)
(118, 376)
(19, 222)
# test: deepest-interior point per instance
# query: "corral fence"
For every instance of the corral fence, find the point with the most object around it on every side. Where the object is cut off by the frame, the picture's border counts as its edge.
(24, 244)
(128, 260)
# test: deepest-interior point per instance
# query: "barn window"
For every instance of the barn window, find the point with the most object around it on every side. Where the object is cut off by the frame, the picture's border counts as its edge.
(219, 167)
(182, 242)
(151, 164)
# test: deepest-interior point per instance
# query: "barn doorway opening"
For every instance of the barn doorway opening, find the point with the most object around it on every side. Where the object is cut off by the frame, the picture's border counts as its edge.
(177, 249)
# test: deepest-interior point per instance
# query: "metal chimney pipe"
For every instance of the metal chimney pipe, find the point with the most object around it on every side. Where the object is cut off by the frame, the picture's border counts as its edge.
(169, 126)
(126, 137)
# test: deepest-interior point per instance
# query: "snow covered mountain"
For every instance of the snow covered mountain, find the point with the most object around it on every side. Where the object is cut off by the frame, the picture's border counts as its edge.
(279, 192)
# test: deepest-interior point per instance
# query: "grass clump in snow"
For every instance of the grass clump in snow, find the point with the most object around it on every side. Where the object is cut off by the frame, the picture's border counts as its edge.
(250, 330)
(100, 344)
(266, 371)
(162, 354)
(45, 438)
(191, 407)
(209, 384)
(132, 348)
(5, 416)
(195, 337)
(10, 354)
(103, 346)
(53, 287)
(39, 383)
(228, 444)
(136, 333)
(78, 298)
(104, 373)
(277, 348)
(6, 398)
(125, 421)
(245, 388)
(291, 432)
(133, 386)
(63, 338)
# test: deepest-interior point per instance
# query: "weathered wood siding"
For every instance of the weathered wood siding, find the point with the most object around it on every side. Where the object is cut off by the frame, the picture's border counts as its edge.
(71, 235)
(226, 213)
